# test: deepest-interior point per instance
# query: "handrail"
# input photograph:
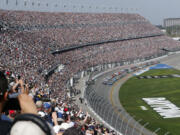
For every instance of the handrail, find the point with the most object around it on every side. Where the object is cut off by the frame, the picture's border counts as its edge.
(73, 47)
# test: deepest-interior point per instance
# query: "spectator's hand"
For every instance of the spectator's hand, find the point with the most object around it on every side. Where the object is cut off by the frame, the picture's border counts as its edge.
(27, 104)
(16, 80)
(59, 134)
(54, 117)
(21, 82)
(22, 86)
(26, 89)
(79, 112)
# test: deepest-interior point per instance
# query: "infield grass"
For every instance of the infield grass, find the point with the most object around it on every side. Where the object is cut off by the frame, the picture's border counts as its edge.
(132, 92)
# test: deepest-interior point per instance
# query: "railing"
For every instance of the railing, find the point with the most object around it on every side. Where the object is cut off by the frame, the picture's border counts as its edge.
(93, 43)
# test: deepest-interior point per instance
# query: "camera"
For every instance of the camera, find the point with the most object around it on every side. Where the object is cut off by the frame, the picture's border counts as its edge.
(12, 104)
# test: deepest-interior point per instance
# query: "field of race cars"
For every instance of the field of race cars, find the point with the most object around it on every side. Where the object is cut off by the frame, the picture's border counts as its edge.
(108, 80)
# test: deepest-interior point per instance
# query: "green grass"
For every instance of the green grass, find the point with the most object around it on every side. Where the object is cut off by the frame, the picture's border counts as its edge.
(132, 92)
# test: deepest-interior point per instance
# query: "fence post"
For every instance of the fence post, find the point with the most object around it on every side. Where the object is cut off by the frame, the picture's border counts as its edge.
(95, 103)
(167, 133)
(94, 100)
(112, 117)
(116, 121)
(100, 105)
(135, 125)
(154, 133)
(105, 110)
(123, 121)
(108, 114)
(143, 127)
(128, 124)
(101, 111)
(90, 98)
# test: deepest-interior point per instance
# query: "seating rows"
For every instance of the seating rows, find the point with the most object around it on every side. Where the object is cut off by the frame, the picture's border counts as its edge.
(27, 52)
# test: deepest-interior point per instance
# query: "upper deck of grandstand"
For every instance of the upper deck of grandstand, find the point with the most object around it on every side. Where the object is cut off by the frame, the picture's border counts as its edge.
(30, 37)
(73, 29)
(33, 18)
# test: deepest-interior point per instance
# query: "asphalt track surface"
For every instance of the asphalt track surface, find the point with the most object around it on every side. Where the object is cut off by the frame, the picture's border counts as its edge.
(111, 93)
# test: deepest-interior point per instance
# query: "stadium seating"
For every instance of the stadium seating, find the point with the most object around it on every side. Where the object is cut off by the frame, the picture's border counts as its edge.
(27, 44)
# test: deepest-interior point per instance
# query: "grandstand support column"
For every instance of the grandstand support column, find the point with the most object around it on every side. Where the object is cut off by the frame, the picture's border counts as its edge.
(113, 65)
(135, 126)
(100, 68)
(105, 66)
(92, 69)
(71, 81)
(108, 66)
(85, 73)
(82, 74)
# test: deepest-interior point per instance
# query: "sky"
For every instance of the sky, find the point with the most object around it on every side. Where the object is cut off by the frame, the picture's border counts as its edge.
(153, 10)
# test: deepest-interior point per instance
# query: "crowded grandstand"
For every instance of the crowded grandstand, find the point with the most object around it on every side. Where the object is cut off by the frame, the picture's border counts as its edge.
(41, 52)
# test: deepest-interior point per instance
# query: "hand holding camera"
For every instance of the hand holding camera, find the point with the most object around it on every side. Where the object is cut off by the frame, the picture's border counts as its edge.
(17, 98)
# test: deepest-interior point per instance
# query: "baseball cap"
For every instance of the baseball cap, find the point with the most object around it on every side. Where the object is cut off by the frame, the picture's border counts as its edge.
(12, 113)
(47, 105)
(41, 113)
(39, 104)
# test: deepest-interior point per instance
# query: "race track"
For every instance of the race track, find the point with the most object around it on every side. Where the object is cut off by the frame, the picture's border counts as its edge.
(111, 93)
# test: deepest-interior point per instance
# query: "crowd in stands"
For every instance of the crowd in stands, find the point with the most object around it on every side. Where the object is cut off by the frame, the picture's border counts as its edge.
(60, 113)
(30, 37)
(69, 29)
